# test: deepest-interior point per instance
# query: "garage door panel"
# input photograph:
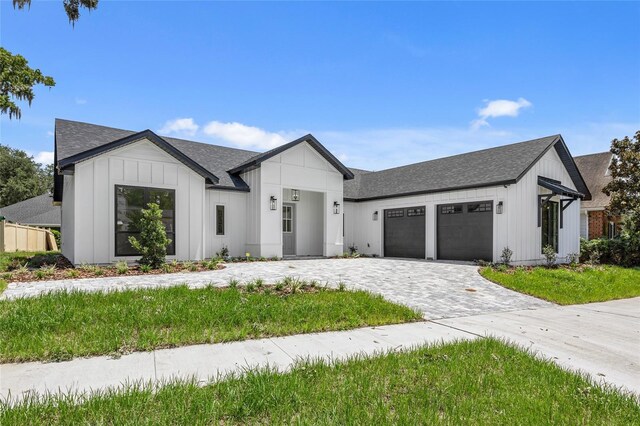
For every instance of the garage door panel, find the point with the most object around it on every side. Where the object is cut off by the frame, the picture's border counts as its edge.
(465, 231)
(404, 232)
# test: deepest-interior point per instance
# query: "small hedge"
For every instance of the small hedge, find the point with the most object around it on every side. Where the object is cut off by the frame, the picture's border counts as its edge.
(616, 251)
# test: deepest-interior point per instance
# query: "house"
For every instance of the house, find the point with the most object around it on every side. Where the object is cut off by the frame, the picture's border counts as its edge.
(594, 220)
(37, 211)
(300, 200)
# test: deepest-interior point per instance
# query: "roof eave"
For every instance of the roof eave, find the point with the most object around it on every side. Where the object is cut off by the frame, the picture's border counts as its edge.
(311, 140)
(432, 191)
(68, 162)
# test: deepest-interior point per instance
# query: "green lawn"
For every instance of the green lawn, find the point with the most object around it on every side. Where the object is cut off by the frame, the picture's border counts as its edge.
(64, 325)
(20, 257)
(480, 382)
(568, 286)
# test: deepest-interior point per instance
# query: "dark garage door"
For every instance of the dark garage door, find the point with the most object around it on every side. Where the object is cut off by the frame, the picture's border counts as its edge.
(404, 232)
(465, 231)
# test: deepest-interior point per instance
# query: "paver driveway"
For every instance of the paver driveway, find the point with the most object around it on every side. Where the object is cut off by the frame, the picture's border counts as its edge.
(439, 290)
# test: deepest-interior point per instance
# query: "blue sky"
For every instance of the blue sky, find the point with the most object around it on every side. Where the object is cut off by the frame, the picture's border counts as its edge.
(380, 84)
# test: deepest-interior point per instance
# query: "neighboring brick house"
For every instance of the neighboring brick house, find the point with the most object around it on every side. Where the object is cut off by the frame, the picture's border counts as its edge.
(594, 220)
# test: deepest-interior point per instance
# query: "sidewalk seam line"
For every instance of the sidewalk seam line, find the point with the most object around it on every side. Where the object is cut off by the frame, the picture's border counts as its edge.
(283, 351)
(459, 329)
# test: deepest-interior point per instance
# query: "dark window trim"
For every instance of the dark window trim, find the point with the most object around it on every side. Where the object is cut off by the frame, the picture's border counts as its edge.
(224, 221)
(547, 209)
(146, 197)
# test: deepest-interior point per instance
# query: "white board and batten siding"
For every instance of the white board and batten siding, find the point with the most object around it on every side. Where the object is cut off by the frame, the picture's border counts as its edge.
(90, 195)
(234, 237)
(302, 168)
(517, 227)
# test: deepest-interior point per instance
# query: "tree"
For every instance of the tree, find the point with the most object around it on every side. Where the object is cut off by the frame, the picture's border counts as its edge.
(152, 243)
(17, 79)
(624, 187)
(72, 7)
(21, 177)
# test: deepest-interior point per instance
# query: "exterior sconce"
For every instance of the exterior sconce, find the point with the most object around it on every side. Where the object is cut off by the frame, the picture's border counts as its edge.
(273, 203)
(336, 207)
(295, 195)
(499, 207)
(375, 215)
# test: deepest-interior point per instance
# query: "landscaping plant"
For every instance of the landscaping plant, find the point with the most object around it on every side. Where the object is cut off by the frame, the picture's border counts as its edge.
(152, 242)
(505, 256)
(550, 256)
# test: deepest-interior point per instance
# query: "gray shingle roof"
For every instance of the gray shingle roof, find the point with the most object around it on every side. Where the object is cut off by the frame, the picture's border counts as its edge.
(500, 165)
(493, 166)
(73, 137)
(34, 211)
(593, 168)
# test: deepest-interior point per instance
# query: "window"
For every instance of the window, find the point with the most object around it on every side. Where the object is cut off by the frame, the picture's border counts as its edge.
(129, 201)
(395, 213)
(550, 225)
(287, 219)
(479, 207)
(451, 209)
(219, 220)
(418, 211)
(612, 230)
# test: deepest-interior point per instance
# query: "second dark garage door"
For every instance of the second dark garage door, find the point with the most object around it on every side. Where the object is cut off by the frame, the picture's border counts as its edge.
(404, 232)
(465, 231)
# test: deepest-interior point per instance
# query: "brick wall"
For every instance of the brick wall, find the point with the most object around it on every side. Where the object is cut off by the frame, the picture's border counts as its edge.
(597, 224)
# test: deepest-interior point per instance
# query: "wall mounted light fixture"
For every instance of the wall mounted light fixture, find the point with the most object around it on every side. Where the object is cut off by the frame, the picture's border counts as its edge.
(295, 195)
(375, 215)
(273, 203)
(336, 207)
(499, 207)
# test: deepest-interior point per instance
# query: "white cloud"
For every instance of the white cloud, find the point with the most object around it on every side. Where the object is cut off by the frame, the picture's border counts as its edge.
(244, 136)
(499, 108)
(80, 101)
(44, 157)
(49, 133)
(180, 126)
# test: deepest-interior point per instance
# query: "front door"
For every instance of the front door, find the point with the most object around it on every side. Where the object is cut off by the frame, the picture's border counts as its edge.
(288, 230)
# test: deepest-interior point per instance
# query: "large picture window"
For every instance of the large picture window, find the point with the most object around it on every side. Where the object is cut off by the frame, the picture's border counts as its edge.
(130, 200)
(550, 225)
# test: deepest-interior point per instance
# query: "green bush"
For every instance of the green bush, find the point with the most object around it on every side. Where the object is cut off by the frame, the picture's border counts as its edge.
(152, 243)
(56, 235)
(623, 251)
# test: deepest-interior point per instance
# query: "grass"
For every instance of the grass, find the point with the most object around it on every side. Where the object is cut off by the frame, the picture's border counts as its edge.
(568, 286)
(472, 382)
(61, 325)
(3, 285)
(8, 259)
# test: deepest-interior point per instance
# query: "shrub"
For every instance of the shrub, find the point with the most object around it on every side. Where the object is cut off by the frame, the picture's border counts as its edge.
(97, 271)
(505, 256)
(212, 264)
(152, 243)
(146, 268)
(573, 258)
(73, 273)
(56, 236)
(223, 253)
(550, 256)
(45, 271)
(122, 267)
(165, 268)
(353, 250)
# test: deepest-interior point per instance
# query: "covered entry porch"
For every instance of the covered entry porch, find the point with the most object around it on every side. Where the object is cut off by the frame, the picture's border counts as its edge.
(304, 222)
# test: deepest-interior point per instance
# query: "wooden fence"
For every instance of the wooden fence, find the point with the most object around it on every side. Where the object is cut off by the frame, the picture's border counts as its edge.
(14, 237)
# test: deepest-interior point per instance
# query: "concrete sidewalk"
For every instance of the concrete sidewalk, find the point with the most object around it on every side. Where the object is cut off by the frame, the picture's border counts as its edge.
(600, 339)
(206, 362)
